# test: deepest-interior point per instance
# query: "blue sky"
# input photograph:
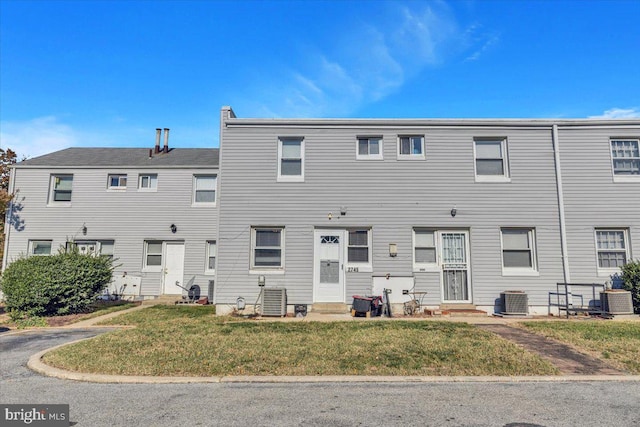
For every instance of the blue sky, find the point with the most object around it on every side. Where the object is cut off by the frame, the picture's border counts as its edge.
(107, 73)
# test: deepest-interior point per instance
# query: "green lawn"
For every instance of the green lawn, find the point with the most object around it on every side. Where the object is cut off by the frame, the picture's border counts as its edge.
(191, 341)
(615, 342)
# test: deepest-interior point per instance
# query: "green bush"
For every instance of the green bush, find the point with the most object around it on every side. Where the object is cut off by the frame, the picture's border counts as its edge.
(60, 284)
(631, 281)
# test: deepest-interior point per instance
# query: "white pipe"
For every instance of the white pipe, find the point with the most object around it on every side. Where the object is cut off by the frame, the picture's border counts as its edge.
(8, 217)
(563, 227)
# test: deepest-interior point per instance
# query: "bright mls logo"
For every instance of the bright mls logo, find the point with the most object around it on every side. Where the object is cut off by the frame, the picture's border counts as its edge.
(35, 415)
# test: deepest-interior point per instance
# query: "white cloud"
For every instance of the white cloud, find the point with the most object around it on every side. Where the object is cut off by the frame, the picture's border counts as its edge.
(619, 113)
(35, 137)
(371, 61)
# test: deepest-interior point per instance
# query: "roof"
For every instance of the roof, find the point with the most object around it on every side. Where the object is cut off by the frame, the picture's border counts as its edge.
(125, 157)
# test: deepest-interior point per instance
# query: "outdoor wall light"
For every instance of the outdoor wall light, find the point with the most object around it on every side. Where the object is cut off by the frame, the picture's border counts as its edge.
(454, 211)
(393, 250)
(173, 228)
(84, 229)
(343, 210)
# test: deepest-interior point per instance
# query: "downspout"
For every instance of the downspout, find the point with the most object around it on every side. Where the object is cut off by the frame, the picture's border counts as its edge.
(563, 226)
(7, 218)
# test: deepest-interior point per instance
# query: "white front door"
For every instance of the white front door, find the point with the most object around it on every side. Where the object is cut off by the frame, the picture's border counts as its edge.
(328, 266)
(173, 268)
(456, 284)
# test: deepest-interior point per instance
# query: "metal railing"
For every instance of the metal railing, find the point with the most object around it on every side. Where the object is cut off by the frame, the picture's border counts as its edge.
(566, 297)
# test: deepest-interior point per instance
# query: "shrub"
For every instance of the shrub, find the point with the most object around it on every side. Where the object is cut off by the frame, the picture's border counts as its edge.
(60, 284)
(631, 281)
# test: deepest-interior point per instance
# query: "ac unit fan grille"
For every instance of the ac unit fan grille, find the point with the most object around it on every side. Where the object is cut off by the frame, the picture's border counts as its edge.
(274, 302)
(515, 303)
(616, 302)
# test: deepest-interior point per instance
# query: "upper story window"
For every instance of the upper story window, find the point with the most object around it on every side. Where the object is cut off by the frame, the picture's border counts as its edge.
(612, 249)
(267, 247)
(518, 251)
(411, 147)
(625, 156)
(61, 186)
(117, 181)
(40, 247)
(424, 249)
(211, 256)
(491, 159)
(291, 159)
(148, 182)
(204, 189)
(358, 248)
(369, 148)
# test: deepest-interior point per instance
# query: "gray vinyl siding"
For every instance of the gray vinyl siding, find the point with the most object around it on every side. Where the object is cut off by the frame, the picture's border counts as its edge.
(389, 196)
(592, 198)
(128, 217)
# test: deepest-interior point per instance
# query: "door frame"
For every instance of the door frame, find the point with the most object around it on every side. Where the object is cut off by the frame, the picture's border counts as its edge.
(342, 233)
(165, 246)
(467, 234)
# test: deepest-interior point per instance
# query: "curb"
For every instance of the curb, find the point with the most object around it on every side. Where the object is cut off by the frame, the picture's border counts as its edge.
(36, 364)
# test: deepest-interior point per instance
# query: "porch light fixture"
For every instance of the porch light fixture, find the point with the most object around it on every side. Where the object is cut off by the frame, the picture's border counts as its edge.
(84, 229)
(173, 228)
(454, 211)
(393, 250)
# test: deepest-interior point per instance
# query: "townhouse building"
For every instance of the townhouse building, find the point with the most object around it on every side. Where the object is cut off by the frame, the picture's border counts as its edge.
(456, 210)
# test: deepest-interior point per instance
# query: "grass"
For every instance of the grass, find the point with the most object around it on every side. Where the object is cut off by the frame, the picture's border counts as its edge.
(616, 342)
(191, 341)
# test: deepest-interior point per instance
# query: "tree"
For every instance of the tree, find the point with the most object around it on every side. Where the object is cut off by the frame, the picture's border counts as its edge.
(7, 158)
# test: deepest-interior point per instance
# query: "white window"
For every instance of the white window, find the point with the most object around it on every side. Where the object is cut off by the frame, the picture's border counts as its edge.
(358, 248)
(424, 249)
(61, 186)
(204, 189)
(148, 182)
(612, 249)
(518, 251)
(153, 255)
(211, 256)
(40, 247)
(491, 159)
(117, 182)
(291, 159)
(625, 157)
(267, 246)
(369, 148)
(92, 247)
(411, 147)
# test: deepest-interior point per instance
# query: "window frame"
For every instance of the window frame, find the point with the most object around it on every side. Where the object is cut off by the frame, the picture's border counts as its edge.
(120, 177)
(621, 177)
(97, 243)
(533, 249)
(195, 190)
(207, 269)
(504, 152)
(366, 267)
(411, 156)
(425, 266)
(153, 177)
(607, 271)
(291, 178)
(53, 191)
(145, 258)
(258, 269)
(379, 156)
(31, 243)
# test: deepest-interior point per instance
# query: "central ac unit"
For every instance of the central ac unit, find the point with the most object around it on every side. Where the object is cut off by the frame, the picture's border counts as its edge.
(514, 302)
(616, 302)
(274, 302)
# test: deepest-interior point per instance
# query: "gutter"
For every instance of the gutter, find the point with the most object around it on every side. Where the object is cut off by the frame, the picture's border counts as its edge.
(563, 226)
